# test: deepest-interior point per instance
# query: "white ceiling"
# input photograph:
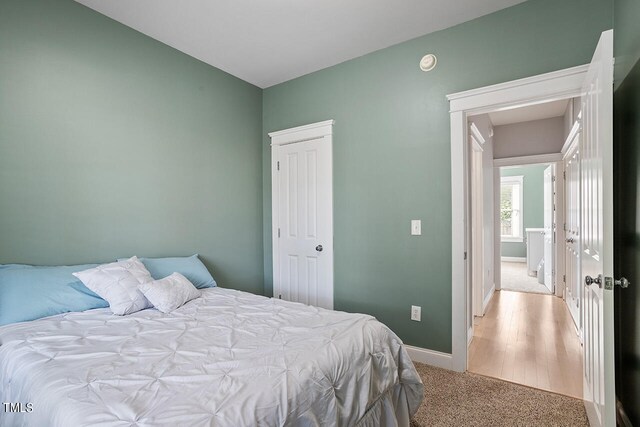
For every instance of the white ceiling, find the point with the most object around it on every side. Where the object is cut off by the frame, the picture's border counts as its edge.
(269, 42)
(526, 114)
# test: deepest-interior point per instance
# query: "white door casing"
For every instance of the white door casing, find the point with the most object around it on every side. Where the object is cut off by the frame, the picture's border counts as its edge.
(477, 221)
(302, 209)
(548, 228)
(596, 151)
(558, 224)
(556, 85)
(573, 278)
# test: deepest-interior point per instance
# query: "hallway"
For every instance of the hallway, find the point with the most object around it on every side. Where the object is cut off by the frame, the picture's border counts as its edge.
(528, 339)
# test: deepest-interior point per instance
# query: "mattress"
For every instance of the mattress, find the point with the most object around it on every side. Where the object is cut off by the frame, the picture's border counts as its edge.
(228, 358)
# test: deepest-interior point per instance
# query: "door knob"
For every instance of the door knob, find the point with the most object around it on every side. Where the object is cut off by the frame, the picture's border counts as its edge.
(623, 282)
(588, 280)
(319, 248)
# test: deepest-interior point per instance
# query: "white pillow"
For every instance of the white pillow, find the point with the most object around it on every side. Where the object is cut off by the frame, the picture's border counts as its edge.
(117, 283)
(170, 293)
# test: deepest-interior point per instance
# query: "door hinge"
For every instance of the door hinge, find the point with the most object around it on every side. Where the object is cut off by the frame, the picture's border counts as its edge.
(278, 166)
(564, 174)
(465, 254)
(278, 233)
(565, 227)
(564, 278)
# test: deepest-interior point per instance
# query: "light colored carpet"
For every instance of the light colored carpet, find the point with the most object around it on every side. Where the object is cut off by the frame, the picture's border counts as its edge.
(465, 399)
(514, 277)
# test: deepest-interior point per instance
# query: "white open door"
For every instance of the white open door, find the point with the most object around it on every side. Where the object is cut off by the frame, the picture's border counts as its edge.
(548, 229)
(302, 204)
(596, 148)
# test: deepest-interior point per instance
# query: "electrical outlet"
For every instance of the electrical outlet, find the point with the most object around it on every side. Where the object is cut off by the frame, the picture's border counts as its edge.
(416, 313)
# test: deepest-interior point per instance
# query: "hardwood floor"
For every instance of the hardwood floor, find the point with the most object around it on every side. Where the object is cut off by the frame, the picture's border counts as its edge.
(528, 339)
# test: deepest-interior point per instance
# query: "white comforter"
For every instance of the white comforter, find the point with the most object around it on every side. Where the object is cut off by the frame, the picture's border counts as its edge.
(228, 358)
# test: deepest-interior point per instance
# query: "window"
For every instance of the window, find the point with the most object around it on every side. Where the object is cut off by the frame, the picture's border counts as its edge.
(511, 229)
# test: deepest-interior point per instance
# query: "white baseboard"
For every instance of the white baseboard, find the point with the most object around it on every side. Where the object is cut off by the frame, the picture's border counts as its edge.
(487, 299)
(513, 259)
(430, 357)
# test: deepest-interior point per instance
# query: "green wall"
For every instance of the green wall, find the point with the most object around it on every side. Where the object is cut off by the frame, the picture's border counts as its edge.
(627, 203)
(532, 205)
(113, 144)
(392, 150)
(626, 37)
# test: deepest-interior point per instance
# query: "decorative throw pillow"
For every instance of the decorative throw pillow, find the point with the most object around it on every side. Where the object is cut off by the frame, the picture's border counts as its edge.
(189, 266)
(117, 283)
(169, 293)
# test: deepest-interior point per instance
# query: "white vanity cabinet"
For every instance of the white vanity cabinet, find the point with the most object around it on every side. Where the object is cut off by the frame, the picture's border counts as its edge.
(535, 248)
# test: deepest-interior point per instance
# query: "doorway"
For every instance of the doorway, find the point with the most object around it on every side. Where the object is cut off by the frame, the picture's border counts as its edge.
(593, 84)
(527, 228)
(522, 330)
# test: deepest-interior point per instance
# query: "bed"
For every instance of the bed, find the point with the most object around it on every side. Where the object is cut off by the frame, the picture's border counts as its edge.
(228, 358)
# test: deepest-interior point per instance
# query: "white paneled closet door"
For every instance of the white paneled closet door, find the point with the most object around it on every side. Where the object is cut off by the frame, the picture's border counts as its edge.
(303, 264)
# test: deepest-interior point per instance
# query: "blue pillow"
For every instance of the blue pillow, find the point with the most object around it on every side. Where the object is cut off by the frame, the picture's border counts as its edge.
(28, 292)
(190, 267)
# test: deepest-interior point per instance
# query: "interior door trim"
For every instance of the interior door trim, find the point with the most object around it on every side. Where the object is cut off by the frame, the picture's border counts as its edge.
(320, 130)
(553, 86)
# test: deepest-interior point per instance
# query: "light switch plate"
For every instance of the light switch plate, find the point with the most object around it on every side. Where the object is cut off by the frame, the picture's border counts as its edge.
(416, 313)
(416, 227)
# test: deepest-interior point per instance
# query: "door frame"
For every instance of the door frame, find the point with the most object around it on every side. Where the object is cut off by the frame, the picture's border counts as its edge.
(555, 159)
(476, 144)
(320, 130)
(554, 250)
(553, 86)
